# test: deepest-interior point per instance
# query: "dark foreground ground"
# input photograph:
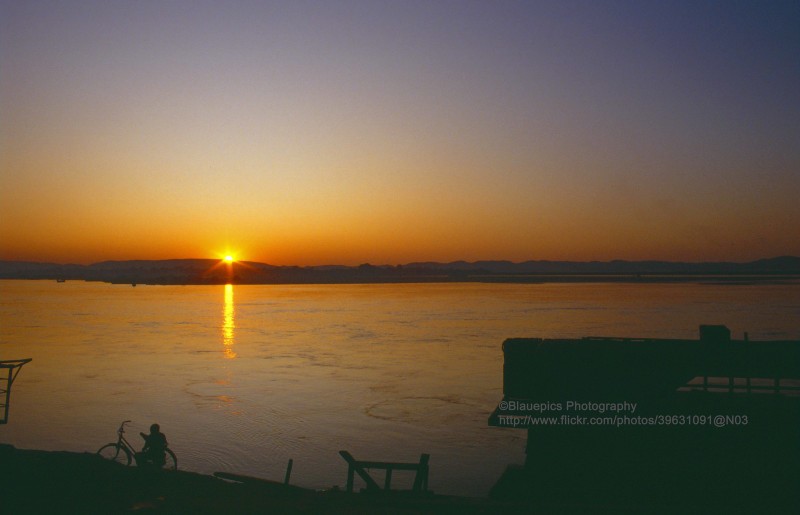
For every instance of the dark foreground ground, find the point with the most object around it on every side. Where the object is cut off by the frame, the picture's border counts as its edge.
(41, 482)
(62, 482)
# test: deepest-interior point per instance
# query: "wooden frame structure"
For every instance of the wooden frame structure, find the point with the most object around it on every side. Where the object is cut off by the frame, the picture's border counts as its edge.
(358, 467)
(9, 369)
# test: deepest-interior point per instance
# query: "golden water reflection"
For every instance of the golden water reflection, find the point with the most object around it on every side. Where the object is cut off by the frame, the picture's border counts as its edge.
(228, 322)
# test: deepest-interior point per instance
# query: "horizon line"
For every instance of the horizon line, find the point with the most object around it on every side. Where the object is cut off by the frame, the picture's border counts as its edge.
(246, 261)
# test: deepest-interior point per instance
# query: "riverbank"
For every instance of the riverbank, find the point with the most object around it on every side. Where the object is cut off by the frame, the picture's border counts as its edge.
(40, 482)
(781, 270)
(36, 482)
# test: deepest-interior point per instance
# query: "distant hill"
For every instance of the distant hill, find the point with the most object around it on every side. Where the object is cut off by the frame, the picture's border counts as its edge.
(210, 271)
(778, 265)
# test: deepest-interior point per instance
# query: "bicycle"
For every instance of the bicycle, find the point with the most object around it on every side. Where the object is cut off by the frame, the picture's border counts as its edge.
(123, 452)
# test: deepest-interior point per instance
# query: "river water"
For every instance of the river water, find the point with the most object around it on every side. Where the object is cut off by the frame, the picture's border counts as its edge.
(242, 378)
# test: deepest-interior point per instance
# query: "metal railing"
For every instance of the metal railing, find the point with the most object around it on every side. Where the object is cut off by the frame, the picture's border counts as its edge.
(9, 369)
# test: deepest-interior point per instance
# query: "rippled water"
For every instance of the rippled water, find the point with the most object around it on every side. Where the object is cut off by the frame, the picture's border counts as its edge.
(242, 378)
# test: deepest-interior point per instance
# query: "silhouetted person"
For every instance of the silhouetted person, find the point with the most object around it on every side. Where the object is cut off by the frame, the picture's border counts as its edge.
(154, 446)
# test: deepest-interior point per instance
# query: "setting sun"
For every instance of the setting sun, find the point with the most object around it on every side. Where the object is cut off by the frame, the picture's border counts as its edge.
(228, 259)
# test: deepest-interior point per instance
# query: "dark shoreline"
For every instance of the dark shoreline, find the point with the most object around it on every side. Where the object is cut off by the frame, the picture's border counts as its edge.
(782, 270)
(36, 482)
(739, 280)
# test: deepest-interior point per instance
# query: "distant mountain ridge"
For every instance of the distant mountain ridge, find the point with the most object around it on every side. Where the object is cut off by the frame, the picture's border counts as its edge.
(780, 265)
(211, 271)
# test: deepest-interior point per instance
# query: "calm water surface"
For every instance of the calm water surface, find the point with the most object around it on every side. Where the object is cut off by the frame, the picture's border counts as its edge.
(242, 378)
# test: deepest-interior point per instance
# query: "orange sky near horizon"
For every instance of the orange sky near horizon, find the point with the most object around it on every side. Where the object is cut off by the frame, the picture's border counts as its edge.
(356, 132)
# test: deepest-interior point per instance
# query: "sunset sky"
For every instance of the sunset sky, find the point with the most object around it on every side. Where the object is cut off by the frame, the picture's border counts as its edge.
(387, 132)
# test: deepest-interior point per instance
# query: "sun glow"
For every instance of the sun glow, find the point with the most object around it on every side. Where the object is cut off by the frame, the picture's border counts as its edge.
(228, 259)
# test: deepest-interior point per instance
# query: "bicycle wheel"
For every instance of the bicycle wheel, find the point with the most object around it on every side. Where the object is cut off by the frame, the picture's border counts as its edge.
(171, 462)
(115, 452)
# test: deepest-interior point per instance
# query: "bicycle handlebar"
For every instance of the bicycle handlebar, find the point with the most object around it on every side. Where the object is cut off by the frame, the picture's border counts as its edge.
(122, 426)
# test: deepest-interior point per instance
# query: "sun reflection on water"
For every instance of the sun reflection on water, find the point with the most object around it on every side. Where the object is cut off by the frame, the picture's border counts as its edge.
(228, 322)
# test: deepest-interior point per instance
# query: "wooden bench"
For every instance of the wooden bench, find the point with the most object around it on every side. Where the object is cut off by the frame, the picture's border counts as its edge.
(359, 467)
